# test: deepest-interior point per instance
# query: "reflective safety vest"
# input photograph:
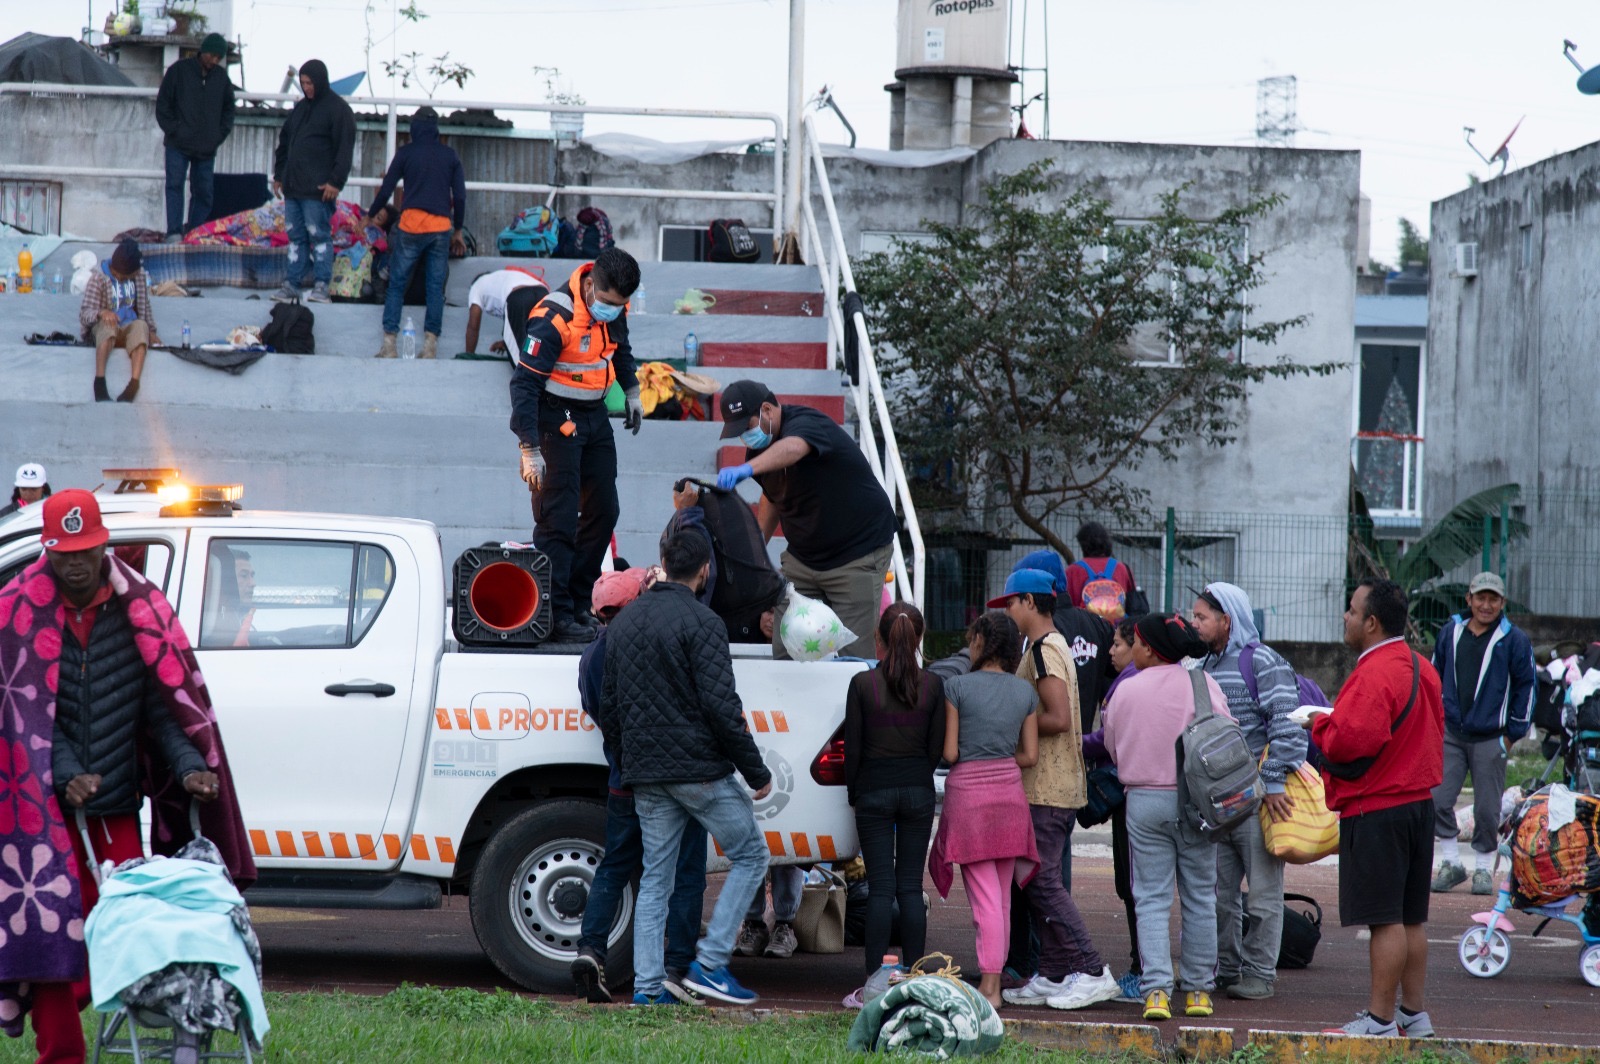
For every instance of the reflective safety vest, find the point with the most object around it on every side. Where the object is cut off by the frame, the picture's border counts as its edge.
(583, 368)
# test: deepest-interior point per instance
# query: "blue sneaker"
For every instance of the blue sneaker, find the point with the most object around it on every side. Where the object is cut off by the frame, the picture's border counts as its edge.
(1129, 985)
(719, 985)
(663, 998)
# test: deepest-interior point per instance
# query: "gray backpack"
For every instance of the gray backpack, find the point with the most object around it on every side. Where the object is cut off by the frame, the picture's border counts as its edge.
(1218, 782)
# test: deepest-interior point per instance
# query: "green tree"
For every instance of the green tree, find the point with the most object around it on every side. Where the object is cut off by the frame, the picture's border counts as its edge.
(1010, 339)
(1413, 245)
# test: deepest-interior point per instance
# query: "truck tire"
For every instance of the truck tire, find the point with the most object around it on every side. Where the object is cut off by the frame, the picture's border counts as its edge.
(529, 891)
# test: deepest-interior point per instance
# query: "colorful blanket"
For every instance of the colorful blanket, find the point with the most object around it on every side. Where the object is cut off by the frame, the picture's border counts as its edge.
(985, 818)
(265, 227)
(936, 1016)
(41, 907)
(1555, 846)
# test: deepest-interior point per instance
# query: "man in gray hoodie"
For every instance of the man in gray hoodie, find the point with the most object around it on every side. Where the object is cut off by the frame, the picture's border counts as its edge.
(1247, 964)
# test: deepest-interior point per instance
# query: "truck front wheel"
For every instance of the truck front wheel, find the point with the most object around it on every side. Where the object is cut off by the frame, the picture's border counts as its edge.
(529, 891)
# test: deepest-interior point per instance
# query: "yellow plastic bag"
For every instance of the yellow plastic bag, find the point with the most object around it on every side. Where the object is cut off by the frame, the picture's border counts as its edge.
(1312, 830)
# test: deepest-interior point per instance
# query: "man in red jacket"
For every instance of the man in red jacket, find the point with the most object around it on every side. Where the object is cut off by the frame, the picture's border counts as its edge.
(1389, 716)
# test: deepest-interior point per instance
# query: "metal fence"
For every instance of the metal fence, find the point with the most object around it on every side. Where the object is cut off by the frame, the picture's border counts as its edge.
(1296, 568)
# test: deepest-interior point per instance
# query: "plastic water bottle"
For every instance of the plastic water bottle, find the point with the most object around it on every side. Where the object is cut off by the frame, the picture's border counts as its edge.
(185, 325)
(55, 287)
(691, 350)
(636, 304)
(878, 982)
(408, 338)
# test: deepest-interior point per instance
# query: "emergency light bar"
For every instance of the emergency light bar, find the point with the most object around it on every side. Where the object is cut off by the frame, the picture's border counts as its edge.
(200, 500)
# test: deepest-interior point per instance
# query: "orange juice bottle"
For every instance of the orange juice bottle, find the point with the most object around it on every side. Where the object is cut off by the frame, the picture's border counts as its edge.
(24, 270)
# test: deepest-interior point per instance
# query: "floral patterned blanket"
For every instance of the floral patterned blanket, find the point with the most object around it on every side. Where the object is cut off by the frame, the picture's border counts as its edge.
(41, 907)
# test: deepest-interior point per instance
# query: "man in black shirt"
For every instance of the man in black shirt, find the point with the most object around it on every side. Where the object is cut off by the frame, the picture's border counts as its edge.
(817, 483)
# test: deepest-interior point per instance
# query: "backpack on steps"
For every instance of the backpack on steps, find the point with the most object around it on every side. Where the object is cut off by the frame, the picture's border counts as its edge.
(1218, 782)
(533, 232)
(290, 330)
(728, 240)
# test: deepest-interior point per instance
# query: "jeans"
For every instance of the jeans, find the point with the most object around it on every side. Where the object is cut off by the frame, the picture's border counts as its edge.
(405, 251)
(1064, 943)
(724, 809)
(894, 825)
(623, 862)
(788, 881)
(576, 509)
(1242, 856)
(310, 223)
(200, 190)
(1487, 764)
(1165, 853)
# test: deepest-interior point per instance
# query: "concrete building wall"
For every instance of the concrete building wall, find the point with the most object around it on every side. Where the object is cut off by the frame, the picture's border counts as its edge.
(1511, 369)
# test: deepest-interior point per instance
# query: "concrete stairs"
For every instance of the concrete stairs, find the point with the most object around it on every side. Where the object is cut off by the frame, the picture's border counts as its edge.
(340, 432)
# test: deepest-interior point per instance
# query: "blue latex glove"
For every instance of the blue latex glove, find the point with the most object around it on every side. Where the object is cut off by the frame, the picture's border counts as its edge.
(731, 475)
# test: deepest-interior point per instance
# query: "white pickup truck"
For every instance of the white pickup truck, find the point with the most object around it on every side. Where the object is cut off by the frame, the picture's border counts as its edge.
(379, 765)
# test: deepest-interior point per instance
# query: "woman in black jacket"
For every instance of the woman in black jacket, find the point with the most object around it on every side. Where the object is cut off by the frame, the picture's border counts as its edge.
(893, 735)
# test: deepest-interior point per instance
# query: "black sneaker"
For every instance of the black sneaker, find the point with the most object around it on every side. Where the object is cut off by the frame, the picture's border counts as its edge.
(568, 630)
(589, 978)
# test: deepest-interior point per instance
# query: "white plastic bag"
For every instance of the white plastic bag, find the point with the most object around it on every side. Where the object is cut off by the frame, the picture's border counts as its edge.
(83, 264)
(810, 630)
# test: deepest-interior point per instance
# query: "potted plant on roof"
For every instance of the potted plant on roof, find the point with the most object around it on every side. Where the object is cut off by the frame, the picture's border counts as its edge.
(187, 19)
(557, 90)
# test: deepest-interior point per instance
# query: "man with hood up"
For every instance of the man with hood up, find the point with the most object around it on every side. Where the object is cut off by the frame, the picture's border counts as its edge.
(309, 169)
(429, 229)
(1247, 964)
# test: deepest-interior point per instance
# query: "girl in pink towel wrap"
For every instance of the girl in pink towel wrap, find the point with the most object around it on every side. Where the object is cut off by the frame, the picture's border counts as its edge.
(991, 734)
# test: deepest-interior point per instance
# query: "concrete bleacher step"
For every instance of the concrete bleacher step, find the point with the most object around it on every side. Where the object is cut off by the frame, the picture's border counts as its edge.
(341, 432)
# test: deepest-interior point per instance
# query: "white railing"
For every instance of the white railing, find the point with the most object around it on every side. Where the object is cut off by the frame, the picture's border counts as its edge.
(826, 250)
(392, 105)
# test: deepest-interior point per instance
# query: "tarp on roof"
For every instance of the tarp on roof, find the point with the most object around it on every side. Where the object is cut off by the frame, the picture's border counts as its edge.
(59, 60)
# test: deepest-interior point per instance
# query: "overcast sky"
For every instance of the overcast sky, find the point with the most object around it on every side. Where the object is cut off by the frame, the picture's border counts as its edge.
(1397, 80)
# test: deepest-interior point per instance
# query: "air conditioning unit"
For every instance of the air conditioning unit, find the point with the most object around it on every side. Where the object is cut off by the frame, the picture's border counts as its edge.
(1464, 261)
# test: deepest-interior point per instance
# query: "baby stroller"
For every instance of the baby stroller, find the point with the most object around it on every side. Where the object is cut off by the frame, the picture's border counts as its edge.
(1553, 835)
(173, 958)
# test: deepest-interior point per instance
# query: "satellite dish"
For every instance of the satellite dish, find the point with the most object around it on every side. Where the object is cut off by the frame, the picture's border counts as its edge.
(1588, 80)
(1502, 154)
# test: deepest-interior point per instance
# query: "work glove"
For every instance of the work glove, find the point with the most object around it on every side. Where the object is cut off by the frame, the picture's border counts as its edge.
(532, 467)
(633, 416)
(730, 476)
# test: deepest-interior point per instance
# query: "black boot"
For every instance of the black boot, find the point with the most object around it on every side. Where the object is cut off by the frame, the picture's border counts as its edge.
(130, 392)
(101, 393)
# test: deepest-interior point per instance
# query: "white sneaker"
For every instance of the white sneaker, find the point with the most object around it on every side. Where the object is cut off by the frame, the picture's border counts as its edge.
(1037, 991)
(1085, 990)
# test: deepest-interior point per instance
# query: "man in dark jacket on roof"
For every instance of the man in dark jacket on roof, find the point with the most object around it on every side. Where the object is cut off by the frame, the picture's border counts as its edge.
(194, 109)
(668, 706)
(429, 229)
(309, 169)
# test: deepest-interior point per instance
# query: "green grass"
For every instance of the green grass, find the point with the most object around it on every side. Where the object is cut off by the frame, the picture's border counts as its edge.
(459, 1026)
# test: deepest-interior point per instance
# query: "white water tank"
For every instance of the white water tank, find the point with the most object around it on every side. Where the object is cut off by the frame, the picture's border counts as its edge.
(219, 16)
(952, 87)
(952, 34)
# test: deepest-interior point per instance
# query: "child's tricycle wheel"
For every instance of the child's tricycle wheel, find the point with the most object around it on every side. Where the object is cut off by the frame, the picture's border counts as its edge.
(1485, 951)
(1589, 964)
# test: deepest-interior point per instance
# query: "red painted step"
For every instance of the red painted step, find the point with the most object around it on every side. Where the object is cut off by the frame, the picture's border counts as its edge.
(765, 356)
(772, 304)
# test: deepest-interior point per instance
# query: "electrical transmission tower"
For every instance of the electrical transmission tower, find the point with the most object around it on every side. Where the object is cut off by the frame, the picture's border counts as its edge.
(1276, 121)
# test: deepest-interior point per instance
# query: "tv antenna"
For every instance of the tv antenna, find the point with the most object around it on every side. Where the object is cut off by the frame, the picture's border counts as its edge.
(1502, 154)
(1276, 120)
(1588, 80)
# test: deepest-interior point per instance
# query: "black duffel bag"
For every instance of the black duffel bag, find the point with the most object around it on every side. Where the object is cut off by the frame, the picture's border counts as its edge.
(1302, 930)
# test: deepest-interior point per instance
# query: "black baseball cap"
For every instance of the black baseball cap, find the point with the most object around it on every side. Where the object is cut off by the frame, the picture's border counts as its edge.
(740, 401)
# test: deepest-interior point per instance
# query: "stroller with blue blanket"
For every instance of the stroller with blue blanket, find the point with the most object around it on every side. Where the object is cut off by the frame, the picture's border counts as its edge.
(173, 958)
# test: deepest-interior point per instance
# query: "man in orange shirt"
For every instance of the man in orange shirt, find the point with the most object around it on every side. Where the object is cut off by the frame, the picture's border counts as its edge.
(429, 230)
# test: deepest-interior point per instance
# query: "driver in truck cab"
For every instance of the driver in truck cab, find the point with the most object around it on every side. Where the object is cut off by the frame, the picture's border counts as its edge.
(103, 707)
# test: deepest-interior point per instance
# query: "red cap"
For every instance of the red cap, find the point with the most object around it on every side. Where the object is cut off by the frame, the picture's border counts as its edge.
(72, 522)
(615, 590)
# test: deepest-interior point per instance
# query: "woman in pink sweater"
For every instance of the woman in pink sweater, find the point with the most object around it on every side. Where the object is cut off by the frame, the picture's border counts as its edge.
(1143, 721)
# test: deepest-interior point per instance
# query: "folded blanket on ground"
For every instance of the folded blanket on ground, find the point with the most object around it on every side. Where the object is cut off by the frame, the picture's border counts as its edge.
(936, 1016)
(234, 360)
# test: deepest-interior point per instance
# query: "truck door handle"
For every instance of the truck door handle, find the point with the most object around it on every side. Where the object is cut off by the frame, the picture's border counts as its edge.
(382, 690)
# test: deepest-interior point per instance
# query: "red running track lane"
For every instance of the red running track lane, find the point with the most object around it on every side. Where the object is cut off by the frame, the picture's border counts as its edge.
(1540, 997)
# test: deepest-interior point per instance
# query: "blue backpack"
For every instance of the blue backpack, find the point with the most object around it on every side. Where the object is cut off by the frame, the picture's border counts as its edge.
(533, 233)
(1309, 692)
